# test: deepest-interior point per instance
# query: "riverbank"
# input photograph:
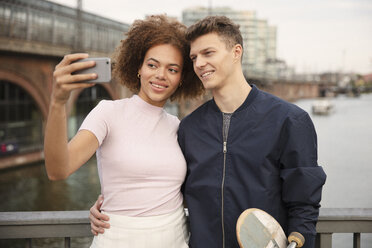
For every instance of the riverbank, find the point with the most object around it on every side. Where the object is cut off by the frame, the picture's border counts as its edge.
(21, 159)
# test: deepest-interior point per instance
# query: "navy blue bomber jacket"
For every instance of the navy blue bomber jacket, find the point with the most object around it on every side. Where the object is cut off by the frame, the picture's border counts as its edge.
(270, 163)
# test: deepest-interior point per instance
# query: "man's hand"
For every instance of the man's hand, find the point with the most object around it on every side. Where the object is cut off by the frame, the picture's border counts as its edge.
(97, 219)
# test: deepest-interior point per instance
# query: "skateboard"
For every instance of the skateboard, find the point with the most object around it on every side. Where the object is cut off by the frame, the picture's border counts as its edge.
(257, 229)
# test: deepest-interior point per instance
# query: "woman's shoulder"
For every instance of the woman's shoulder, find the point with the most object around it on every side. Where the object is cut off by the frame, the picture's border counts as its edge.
(107, 108)
(172, 118)
(113, 103)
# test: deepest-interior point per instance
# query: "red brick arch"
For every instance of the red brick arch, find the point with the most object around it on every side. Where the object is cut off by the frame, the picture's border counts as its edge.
(28, 87)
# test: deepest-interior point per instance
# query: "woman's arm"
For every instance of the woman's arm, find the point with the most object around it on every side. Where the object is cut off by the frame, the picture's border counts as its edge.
(62, 158)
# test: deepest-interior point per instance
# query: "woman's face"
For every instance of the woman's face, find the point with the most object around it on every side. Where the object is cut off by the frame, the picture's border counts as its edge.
(160, 74)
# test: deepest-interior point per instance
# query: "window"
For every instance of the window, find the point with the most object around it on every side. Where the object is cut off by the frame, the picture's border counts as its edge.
(20, 118)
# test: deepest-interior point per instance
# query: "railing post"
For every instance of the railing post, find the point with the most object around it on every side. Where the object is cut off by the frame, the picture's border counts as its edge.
(317, 240)
(67, 242)
(28, 243)
(356, 240)
(325, 240)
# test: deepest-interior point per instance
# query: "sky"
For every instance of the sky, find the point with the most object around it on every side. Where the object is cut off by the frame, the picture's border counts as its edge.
(313, 36)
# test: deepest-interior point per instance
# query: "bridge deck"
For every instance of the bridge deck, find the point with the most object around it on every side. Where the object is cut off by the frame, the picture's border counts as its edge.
(47, 28)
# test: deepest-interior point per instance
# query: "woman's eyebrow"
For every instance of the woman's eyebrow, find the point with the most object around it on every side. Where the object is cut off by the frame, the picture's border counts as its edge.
(157, 61)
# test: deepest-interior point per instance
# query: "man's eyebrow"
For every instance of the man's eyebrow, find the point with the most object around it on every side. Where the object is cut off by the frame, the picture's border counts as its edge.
(157, 61)
(205, 49)
(201, 51)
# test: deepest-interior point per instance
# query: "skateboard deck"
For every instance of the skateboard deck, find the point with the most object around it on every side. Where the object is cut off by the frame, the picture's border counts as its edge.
(257, 229)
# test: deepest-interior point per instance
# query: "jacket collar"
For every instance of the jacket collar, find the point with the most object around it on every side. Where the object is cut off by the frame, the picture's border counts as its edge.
(250, 98)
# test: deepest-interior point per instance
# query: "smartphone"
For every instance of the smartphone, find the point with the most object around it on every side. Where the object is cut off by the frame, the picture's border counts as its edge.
(102, 69)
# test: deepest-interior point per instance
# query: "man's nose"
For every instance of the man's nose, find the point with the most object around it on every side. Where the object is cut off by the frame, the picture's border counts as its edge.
(199, 62)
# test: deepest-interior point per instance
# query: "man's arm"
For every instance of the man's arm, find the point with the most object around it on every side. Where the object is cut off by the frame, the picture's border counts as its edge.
(181, 143)
(97, 219)
(302, 178)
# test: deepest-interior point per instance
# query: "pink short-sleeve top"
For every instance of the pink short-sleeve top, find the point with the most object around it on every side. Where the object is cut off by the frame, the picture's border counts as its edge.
(140, 164)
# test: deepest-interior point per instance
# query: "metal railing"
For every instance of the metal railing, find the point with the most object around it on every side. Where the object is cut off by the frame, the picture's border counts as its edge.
(44, 224)
(69, 224)
(343, 220)
(47, 23)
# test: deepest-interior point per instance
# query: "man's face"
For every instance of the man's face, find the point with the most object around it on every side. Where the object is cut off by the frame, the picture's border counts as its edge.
(213, 61)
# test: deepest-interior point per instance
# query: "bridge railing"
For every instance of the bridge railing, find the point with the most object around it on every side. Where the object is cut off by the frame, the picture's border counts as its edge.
(343, 220)
(47, 23)
(69, 224)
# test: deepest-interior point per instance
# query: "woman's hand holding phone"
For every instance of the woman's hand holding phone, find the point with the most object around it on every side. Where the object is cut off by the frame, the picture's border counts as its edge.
(102, 68)
(64, 79)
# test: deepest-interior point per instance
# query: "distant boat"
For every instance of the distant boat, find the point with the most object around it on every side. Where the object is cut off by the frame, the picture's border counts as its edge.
(322, 107)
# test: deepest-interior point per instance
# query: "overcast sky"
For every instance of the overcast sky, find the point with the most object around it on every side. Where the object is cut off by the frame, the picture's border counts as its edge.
(312, 35)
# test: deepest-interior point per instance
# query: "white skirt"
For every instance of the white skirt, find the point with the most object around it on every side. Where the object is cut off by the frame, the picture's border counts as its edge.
(162, 231)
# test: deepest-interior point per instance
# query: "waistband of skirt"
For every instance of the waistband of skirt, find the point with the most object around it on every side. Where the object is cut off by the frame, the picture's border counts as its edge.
(146, 222)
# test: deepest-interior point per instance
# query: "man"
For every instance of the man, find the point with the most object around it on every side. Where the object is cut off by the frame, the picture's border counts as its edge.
(244, 148)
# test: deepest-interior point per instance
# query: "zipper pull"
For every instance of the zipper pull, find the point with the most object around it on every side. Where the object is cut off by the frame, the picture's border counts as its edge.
(224, 147)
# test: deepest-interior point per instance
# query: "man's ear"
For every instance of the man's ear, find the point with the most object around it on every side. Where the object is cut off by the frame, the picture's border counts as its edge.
(237, 52)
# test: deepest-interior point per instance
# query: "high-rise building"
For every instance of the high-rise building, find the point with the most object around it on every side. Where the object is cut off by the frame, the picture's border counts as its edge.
(259, 38)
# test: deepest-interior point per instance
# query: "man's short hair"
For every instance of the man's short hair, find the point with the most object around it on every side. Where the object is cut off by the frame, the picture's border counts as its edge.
(224, 27)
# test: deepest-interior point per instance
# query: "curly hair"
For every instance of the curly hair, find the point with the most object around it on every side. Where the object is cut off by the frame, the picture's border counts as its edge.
(144, 34)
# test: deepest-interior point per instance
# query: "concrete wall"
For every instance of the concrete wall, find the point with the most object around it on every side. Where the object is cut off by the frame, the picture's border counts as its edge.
(292, 91)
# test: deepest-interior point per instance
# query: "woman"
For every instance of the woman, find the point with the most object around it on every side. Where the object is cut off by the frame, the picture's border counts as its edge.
(140, 164)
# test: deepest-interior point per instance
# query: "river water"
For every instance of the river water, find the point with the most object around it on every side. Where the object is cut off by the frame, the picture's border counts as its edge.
(345, 152)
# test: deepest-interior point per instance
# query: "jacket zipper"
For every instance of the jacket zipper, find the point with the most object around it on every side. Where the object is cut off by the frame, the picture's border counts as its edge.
(222, 192)
(225, 133)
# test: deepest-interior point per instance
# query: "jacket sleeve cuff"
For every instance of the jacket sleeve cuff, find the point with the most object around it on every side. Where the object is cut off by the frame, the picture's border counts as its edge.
(309, 241)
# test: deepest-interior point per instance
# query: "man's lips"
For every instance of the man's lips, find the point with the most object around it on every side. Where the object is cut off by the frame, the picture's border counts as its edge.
(206, 74)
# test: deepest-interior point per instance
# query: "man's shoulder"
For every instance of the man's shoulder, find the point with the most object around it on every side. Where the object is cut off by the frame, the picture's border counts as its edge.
(281, 106)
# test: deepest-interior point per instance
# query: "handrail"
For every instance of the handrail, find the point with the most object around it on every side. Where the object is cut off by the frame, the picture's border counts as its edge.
(343, 220)
(44, 224)
(67, 224)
